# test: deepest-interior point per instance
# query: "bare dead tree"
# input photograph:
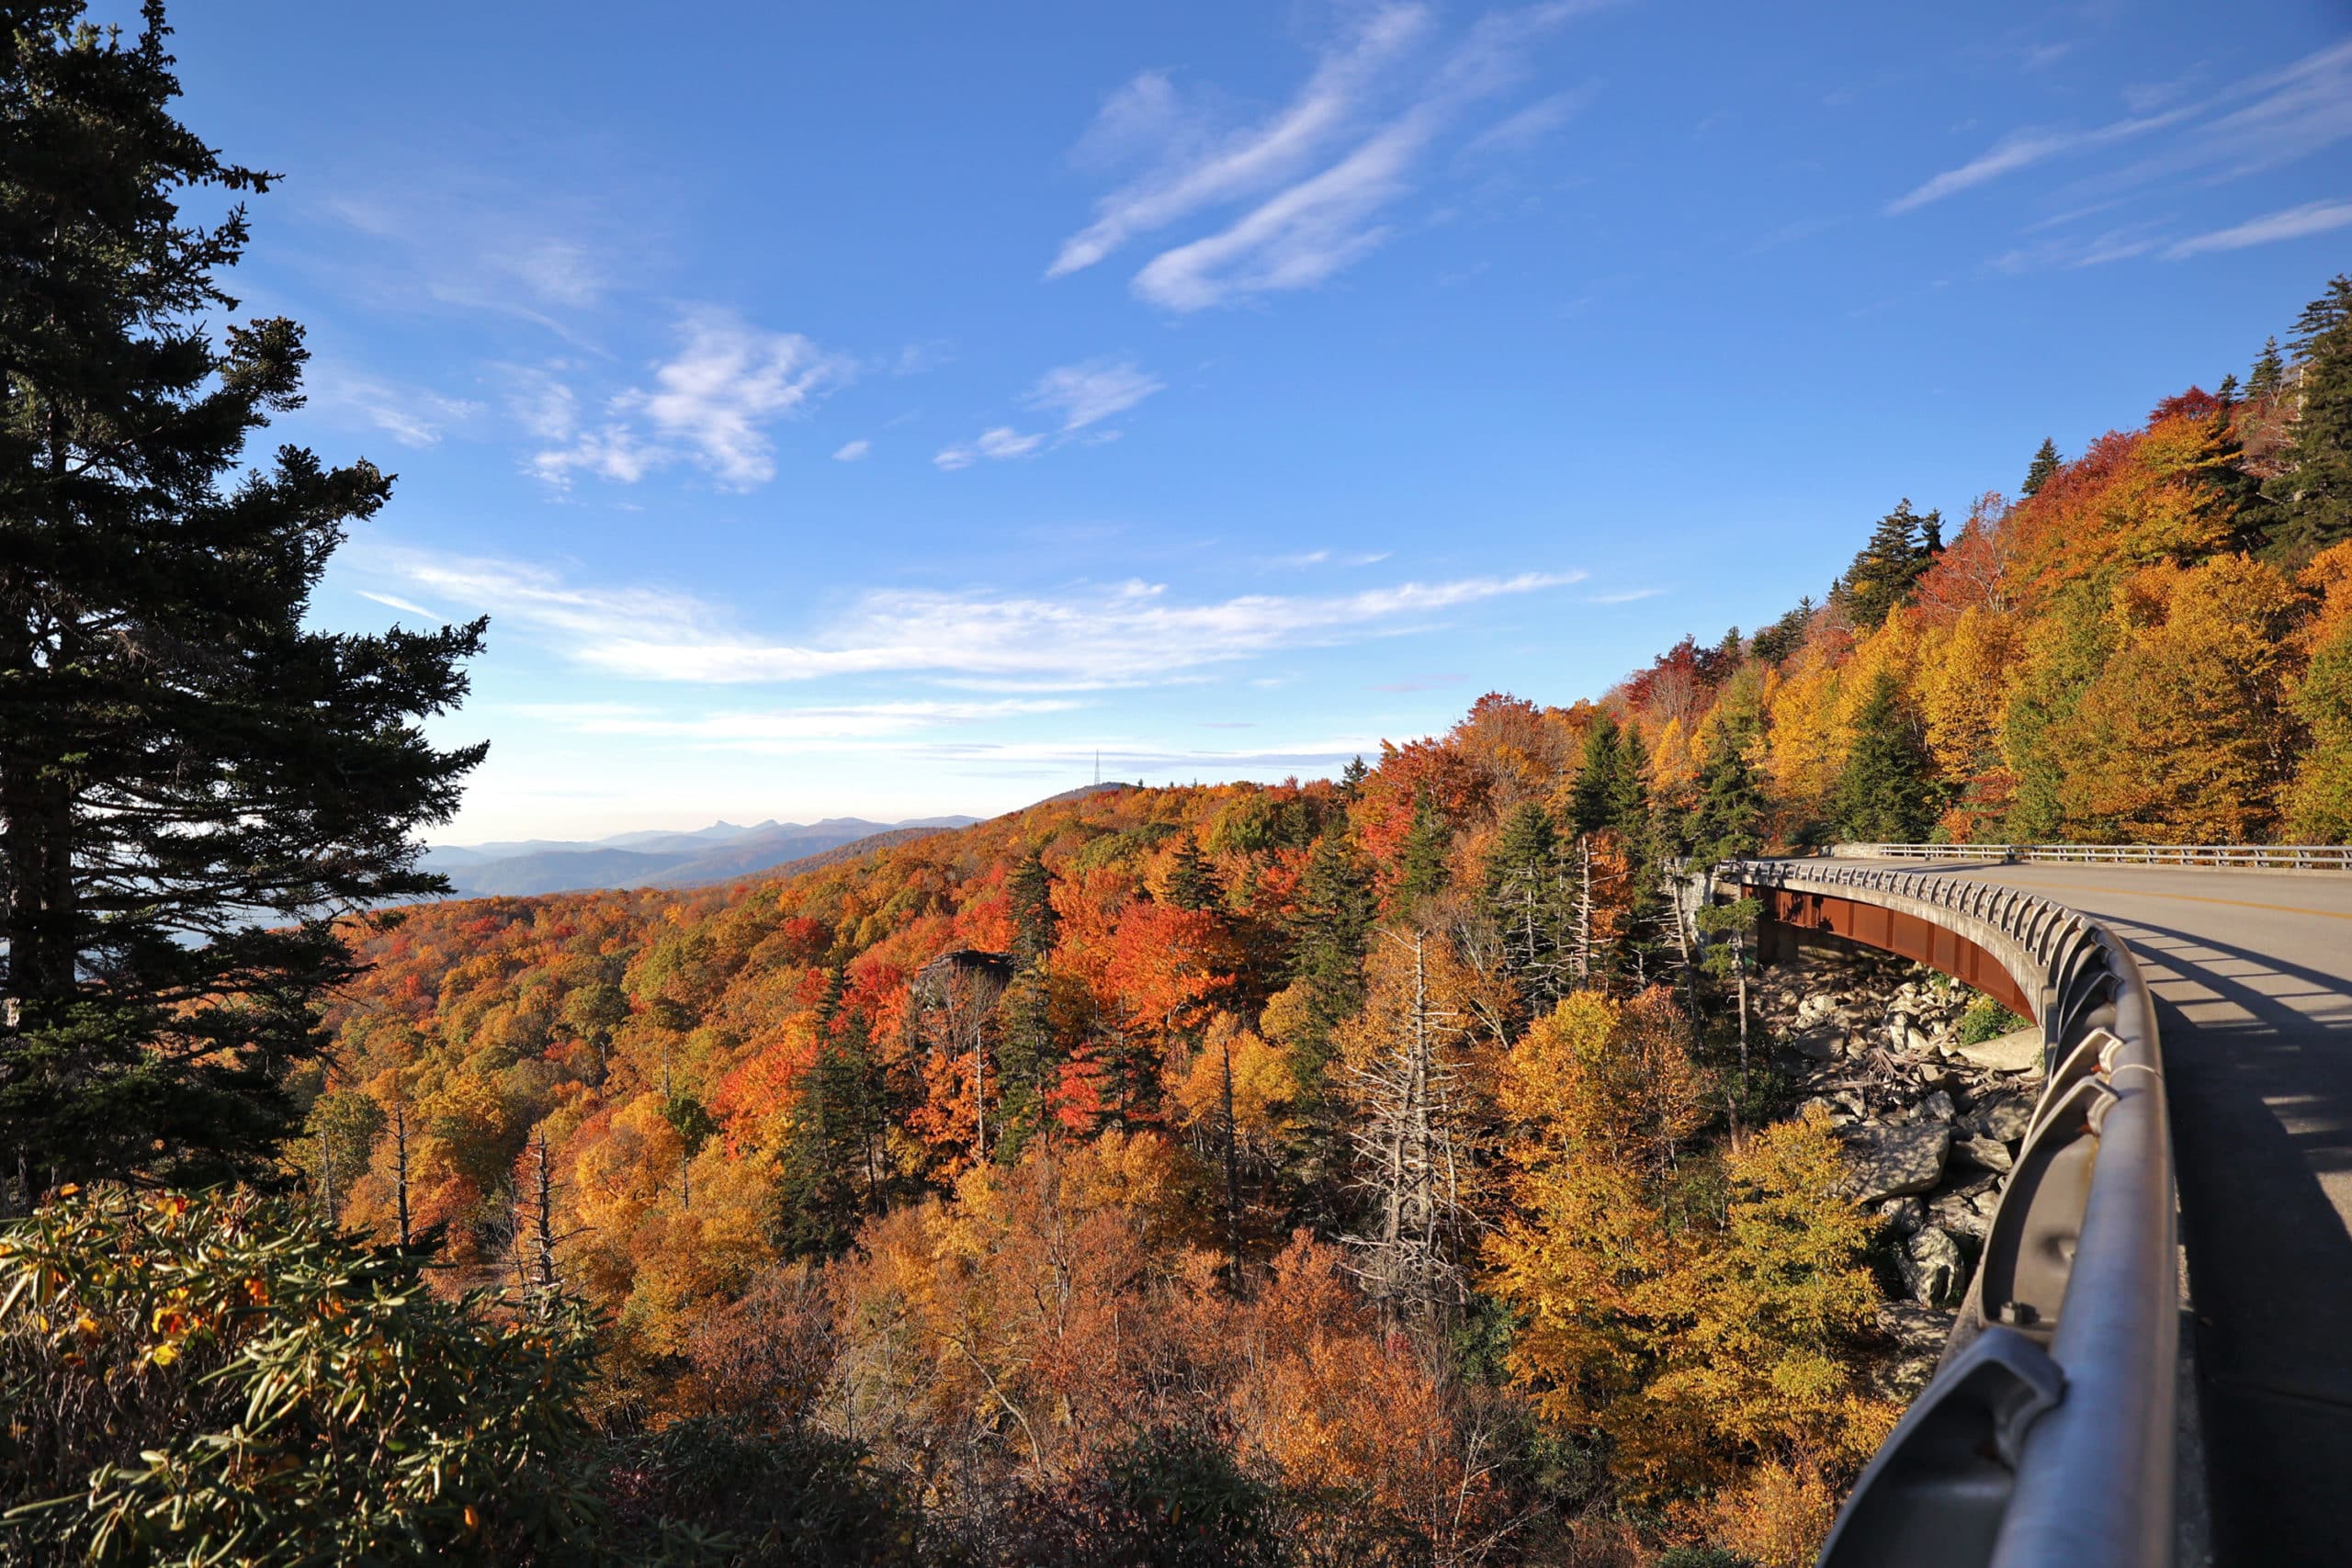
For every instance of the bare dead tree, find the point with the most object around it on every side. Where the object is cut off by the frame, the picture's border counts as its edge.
(1409, 1153)
(399, 1164)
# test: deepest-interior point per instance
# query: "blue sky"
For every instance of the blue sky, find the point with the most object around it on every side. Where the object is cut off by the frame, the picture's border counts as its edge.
(878, 409)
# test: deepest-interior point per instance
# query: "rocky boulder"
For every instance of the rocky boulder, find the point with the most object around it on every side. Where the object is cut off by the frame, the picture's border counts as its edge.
(2006, 1118)
(1889, 1161)
(1932, 1267)
(1988, 1154)
(2016, 1051)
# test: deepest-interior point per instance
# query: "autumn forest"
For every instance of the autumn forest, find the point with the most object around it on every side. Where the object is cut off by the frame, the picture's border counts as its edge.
(1394, 1168)
(1369, 1166)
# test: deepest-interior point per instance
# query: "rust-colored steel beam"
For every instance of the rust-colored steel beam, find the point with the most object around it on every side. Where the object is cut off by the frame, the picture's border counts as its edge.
(1890, 931)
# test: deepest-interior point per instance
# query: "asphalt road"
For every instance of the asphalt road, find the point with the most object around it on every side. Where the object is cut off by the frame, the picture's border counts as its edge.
(2253, 976)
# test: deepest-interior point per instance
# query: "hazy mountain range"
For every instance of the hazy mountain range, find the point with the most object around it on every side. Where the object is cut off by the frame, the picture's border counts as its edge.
(716, 853)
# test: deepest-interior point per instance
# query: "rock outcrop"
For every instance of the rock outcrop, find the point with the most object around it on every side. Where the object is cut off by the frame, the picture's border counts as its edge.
(1930, 1126)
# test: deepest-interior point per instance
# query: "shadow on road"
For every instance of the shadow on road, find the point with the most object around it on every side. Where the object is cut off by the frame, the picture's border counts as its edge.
(2261, 1107)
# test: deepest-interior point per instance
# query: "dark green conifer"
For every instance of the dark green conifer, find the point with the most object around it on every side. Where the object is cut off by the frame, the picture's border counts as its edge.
(1192, 880)
(2045, 463)
(829, 1172)
(1029, 1056)
(192, 784)
(1776, 642)
(2313, 495)
(1729, 804)
(1424, 865)
(1030, 890)
(1886, 792)
(2270, 371)
(1526, 897)
(1899, 552)
(1592, 801)
(1330, 926)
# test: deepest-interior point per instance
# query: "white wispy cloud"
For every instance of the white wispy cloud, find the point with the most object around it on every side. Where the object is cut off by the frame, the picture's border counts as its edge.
(1319, 171)
(460, 238)
(2022, 149)
(413, 416)
(1081, 395)
(2079, 250)
(406, 607)
(1129, 633)
(2294, 223)
(1190, 175)
(1324, 557)
(997, 445)
(1522, 128)
(1624, 595)
(853, 451)
(783, 730)
(712, 403)
(2255, 123)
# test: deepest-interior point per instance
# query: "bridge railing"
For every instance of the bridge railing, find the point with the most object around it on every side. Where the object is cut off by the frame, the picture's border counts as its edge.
(2259, 857)
(2046, 1438)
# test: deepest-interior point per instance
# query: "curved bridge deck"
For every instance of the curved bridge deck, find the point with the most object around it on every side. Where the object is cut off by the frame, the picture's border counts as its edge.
(2253, 977)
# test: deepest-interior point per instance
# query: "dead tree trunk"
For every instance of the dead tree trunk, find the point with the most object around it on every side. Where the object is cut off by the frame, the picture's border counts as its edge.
(400, 1164)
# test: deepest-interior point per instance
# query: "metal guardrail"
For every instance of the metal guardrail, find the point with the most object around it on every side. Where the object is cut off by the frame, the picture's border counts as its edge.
(2260, 857)
(2046, 1438)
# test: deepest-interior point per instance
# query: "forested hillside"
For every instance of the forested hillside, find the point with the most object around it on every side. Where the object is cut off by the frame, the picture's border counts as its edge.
(1376, 1165)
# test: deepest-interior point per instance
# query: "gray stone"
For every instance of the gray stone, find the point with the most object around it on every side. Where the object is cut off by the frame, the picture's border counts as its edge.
(2005, 1118)
(1915, 1330)
(1932, 1268)
(1902, 1216)
(1820, 1044)
(2016, 1051)
(1937, 1107)
(1965, 1212)
(1991, 1154)
(1887, 1162)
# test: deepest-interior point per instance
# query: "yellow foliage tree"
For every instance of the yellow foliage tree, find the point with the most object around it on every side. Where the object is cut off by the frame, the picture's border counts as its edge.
(1698, 1338)
(2185, 735)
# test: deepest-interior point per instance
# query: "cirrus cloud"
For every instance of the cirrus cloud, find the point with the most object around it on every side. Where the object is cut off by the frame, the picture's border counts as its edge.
(1123, 634)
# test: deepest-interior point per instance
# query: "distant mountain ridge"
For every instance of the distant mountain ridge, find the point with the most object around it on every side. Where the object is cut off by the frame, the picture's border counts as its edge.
(720, 852)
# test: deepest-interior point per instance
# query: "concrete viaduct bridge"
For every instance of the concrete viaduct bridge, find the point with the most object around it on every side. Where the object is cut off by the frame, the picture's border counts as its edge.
(2162, 1321)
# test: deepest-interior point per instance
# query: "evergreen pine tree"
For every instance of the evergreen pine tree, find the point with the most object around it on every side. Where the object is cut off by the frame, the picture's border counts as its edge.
(2227, 393)
(2314, 494)
(1525, 895)
(830, 1174)
(2220, 472)
(1028, 1056)
(2045, 463)
(1627, 793)
(2322, 318)
(192, 784)
(1886, 792)
(1727, 813)
(1776, 642)
(1192, 880)
(1330, 925)
(1592, 799)
(1423, 868)
(1900, 549)
(2270, 371)
(1351, 777)
(1030, 890)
